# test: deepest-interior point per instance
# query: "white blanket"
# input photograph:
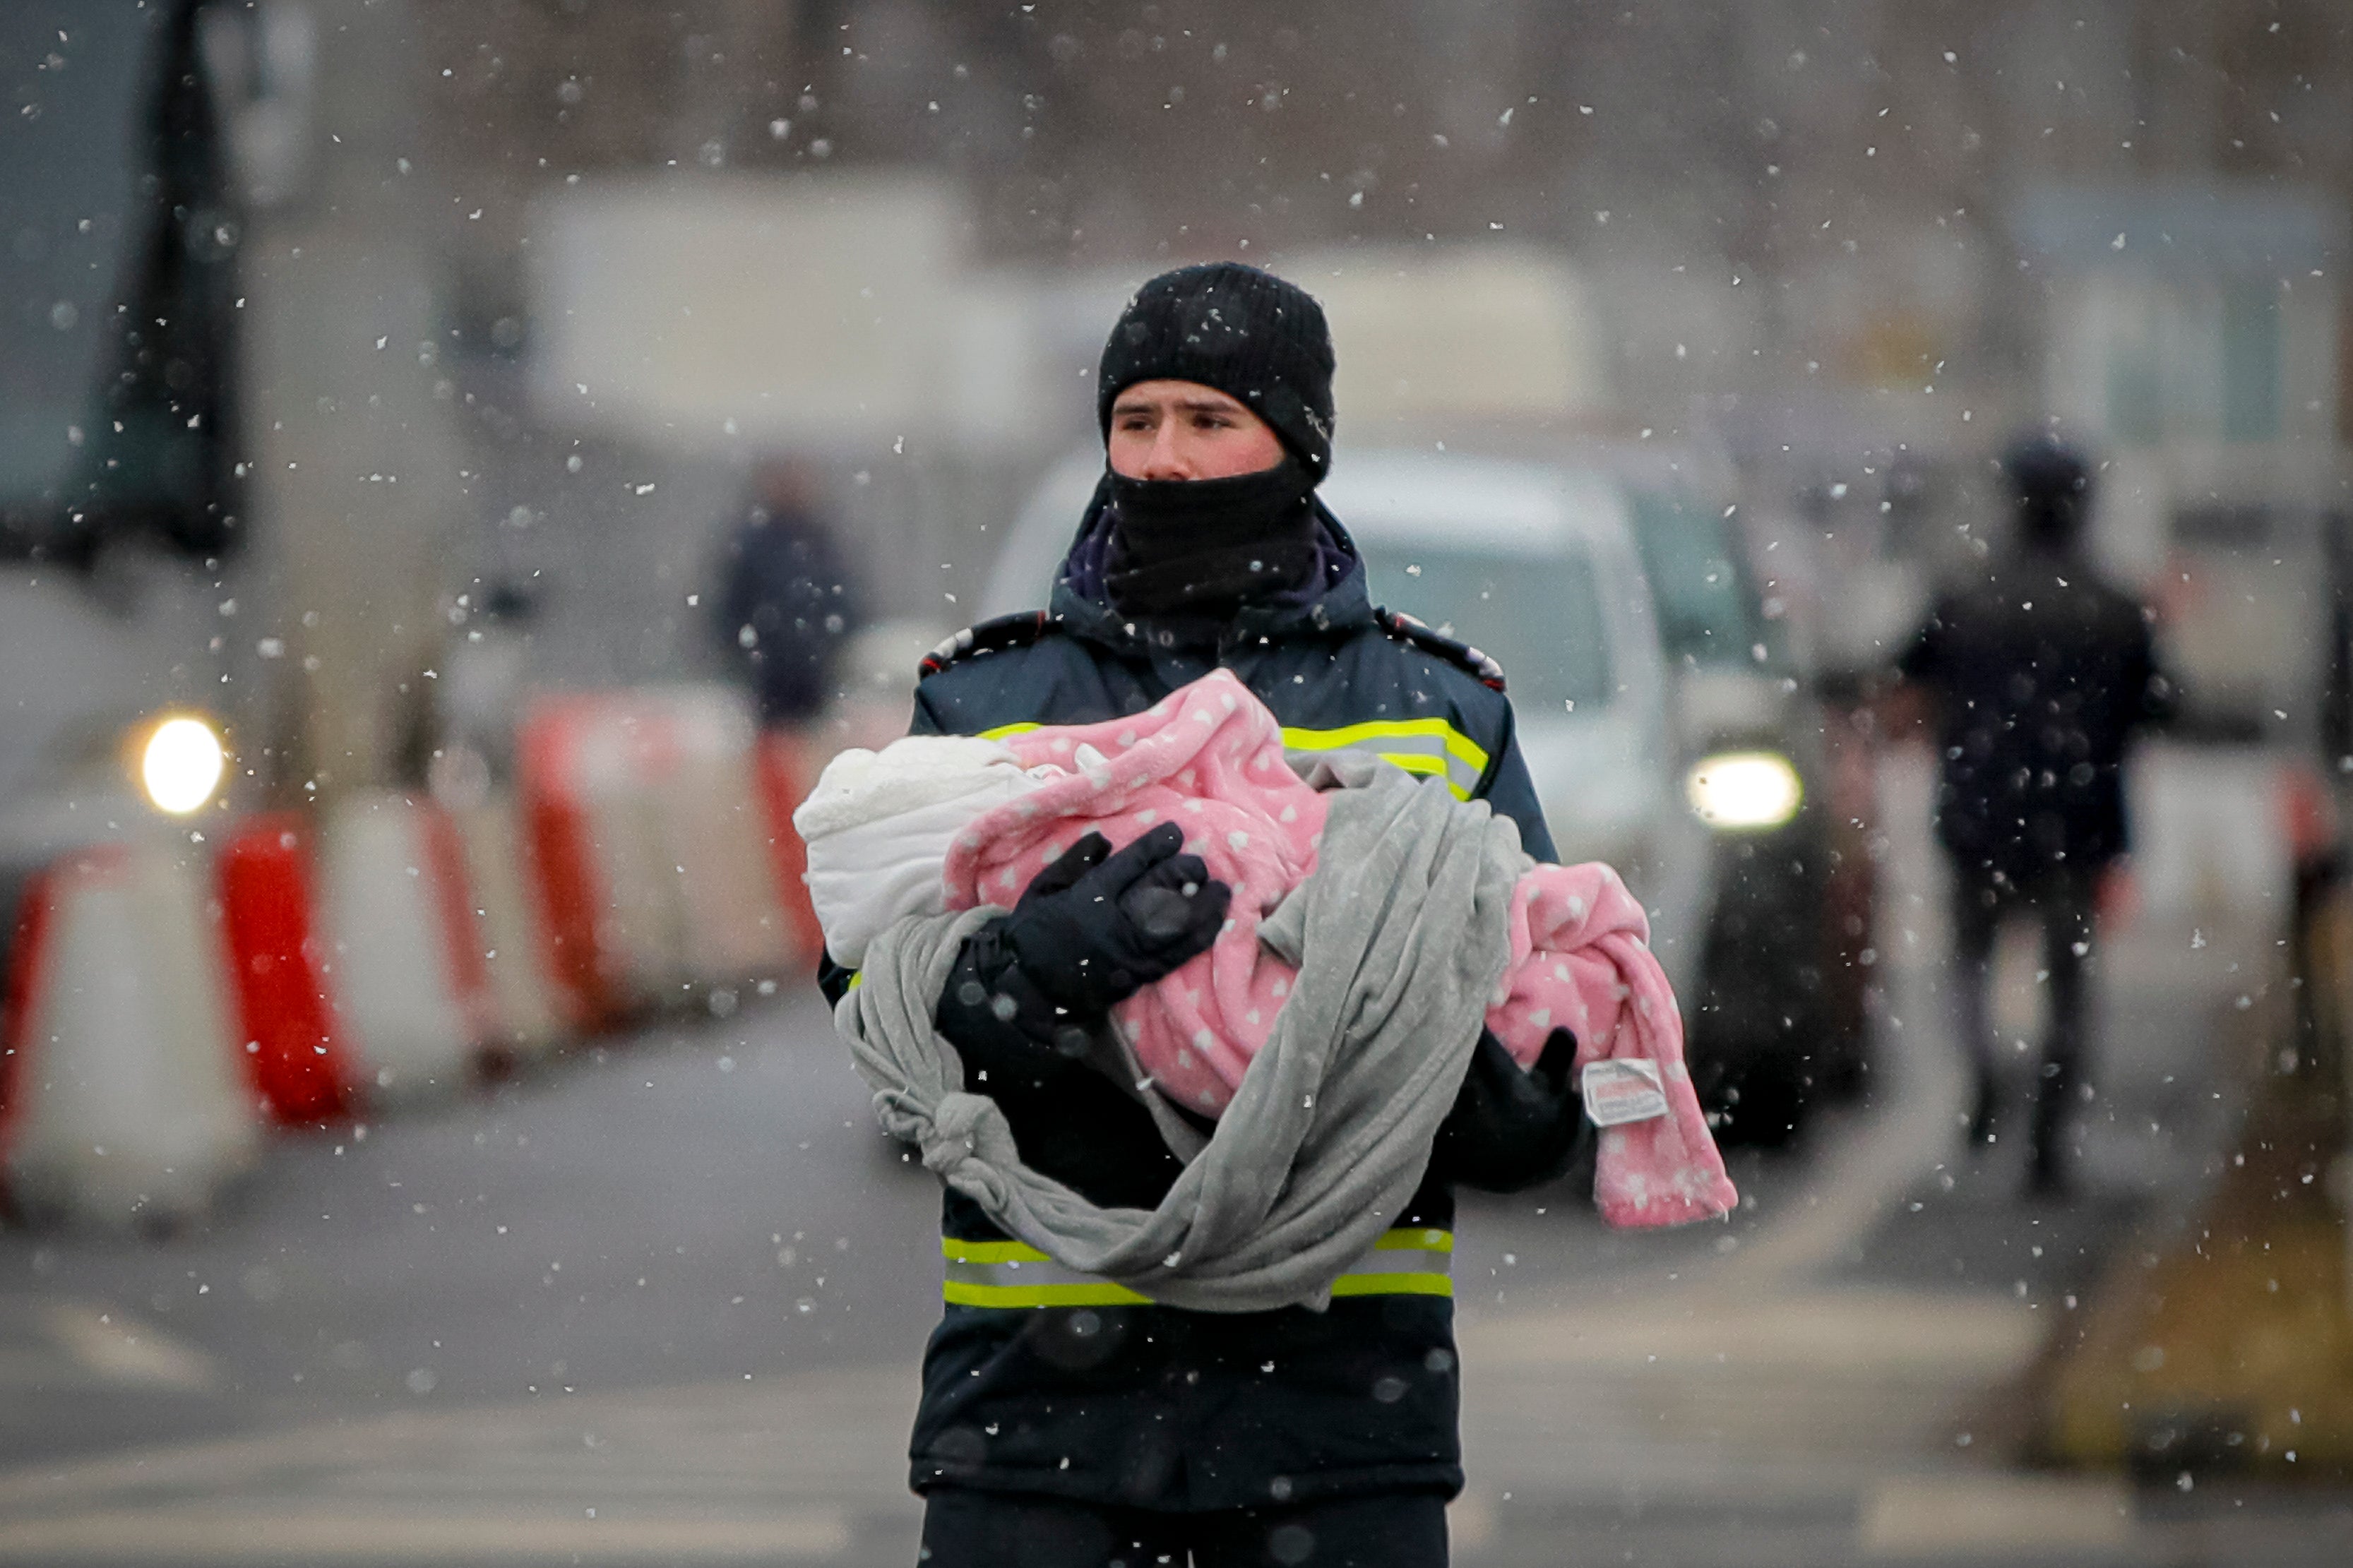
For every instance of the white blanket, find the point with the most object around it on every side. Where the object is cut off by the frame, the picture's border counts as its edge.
(877, 827)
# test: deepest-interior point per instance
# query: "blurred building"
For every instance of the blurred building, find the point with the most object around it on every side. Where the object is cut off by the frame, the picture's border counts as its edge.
(1853, 162)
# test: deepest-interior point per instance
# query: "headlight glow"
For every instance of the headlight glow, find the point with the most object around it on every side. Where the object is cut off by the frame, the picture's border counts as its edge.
(182, 764)
(1744, 790)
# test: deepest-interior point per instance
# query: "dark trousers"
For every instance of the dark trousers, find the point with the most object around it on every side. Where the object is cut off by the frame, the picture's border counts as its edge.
(2060, 901)
(1000, 1530)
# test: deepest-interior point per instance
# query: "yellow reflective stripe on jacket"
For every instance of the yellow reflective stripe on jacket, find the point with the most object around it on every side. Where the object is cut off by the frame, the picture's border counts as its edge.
(1431, 748)
(1055, 1293)
(1418, 1260)
(1415, 1261)
(956, 1251)
(1416, 1238)
(1014, 1274)
(1416, 1283)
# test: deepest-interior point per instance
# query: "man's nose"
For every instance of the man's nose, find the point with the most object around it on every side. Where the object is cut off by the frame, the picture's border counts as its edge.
(1166, 460)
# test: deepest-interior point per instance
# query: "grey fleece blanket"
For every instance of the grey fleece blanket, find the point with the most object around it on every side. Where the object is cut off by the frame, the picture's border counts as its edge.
(1400, 937)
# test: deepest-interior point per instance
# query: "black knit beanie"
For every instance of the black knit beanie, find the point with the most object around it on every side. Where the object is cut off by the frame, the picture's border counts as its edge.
(1250, 334)
(2053, 483)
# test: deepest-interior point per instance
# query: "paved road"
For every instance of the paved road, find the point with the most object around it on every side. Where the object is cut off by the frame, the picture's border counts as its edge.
(661, 1304)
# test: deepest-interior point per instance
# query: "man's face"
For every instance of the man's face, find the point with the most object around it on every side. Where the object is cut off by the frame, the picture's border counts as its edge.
(1183, 430)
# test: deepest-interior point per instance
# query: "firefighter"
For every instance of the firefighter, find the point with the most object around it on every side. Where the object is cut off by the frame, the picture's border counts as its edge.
(1065, 1420)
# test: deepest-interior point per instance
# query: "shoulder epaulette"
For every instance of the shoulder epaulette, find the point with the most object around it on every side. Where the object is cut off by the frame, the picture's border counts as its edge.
(1012, 631)
(1400, 625)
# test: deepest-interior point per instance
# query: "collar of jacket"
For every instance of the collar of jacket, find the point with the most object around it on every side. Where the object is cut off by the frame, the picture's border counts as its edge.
(1083, 608)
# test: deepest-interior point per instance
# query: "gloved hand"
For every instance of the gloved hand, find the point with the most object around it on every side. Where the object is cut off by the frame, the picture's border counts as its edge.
(1511, 1129)
(1094, 928)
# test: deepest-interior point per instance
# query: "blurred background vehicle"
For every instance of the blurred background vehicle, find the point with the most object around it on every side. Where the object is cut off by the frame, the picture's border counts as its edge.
(122, 501)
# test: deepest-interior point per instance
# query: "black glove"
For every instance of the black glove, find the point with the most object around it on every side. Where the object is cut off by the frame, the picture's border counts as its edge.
(1511, 1129)
(1092, 930)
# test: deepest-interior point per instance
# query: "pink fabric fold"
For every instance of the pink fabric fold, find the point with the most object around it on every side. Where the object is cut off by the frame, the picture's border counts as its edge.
(1581, 958)
(1210, 757)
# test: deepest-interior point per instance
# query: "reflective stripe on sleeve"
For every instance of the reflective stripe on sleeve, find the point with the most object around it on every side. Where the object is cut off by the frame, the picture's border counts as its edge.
(1012, 1274)
(1429, 748)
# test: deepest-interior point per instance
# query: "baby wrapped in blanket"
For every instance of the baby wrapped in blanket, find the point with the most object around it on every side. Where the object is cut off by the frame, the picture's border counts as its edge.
(934, 824)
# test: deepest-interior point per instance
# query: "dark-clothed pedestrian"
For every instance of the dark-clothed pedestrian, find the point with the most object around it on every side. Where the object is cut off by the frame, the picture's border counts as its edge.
(786, 607)
(1066, 1420)
(2039, 674)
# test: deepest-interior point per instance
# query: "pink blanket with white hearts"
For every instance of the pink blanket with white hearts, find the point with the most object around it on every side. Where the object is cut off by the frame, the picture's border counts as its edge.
(1210, 757)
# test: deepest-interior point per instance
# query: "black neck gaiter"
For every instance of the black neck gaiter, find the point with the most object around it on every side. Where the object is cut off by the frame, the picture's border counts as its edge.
(1207, 547)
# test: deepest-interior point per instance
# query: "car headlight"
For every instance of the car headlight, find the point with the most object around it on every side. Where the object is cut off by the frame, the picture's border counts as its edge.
(181, 766)
(1740, 790)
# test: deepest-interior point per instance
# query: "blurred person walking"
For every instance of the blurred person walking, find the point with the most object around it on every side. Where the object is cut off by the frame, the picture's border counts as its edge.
(786, 607)
(1066, 1420)
(2039, 674)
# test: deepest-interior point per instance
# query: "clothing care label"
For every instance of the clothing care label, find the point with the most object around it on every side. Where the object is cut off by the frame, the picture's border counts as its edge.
(1622, 1091)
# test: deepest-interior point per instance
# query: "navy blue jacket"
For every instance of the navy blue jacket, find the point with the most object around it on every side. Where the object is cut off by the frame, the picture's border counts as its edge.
(1039, 1382)
(786, 609)
(2041, 673)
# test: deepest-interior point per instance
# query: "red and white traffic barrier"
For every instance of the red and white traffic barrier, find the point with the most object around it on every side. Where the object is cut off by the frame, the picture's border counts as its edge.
(358, 960)
(527, 1020)
(409, 971)
(298, 1049)
(788, 765)
(650, 841)
(731, 922)
(594, 856)
(121, 1099)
